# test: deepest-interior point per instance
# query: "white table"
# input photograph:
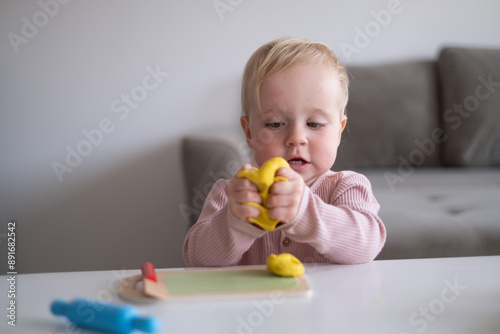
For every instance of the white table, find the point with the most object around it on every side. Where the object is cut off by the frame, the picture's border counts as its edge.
(452, 295)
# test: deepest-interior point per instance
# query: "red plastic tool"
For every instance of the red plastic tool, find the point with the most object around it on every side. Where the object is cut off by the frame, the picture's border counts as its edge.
(148, 271)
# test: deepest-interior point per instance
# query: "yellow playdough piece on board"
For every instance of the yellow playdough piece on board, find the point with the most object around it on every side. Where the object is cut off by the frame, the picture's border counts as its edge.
(264, 178)
(285, 264)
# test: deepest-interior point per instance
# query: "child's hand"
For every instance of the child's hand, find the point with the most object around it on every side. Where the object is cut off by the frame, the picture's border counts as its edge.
(285, 200)
(242, 190)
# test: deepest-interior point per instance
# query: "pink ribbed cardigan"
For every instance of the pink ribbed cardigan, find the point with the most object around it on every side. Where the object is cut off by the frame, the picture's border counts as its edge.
(337, 222)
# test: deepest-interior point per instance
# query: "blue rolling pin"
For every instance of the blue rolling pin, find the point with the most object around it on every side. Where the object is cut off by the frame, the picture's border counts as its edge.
(115, 318)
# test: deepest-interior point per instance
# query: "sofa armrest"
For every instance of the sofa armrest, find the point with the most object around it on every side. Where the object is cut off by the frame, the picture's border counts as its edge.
(205, 159)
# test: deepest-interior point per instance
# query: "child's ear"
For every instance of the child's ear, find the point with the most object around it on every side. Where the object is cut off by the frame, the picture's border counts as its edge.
(343, 122)
(245, 125)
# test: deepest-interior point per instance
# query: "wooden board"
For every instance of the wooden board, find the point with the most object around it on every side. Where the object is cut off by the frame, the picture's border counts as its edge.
(214, 283)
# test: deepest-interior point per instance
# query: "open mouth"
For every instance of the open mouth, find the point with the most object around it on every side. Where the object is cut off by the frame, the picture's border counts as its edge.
(297, 161)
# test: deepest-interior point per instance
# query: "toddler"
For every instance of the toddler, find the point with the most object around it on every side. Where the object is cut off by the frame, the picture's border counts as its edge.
(294, 93)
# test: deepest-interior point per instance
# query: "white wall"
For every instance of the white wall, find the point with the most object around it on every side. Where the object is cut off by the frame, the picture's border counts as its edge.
(119, 206)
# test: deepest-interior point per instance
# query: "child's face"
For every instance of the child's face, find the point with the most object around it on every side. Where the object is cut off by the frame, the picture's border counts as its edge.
(300, 121)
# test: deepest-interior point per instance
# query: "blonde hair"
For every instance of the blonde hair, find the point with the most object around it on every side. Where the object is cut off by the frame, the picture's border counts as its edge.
(279, 55)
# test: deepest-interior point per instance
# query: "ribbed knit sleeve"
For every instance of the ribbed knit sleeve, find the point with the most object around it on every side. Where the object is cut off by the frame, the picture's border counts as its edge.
(218, 238)
(339, 218)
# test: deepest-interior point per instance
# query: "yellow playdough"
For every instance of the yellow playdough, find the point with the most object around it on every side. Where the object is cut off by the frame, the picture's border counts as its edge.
(264, 178)
(285, 264)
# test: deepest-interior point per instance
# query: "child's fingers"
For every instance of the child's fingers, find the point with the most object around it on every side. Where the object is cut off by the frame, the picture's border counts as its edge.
(244, 184)
(243, 212)
(283, 214)
(241, 184)
(288, 187)
(240, 191)
(239, 209)
(248, 211)
(246, 166)
(280, 188)
(283, 201)
(285, 197)
(287, 172)
(241, 197)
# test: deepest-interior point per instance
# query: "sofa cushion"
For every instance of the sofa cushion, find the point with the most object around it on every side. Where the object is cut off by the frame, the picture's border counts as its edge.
(439, 212)
(470, 86)
(392, 112)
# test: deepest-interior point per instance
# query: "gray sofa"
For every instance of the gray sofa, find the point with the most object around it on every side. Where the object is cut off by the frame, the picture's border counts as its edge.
(426, 134)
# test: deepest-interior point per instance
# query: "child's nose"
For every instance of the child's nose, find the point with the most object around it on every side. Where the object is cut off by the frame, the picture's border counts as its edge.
(296, 136)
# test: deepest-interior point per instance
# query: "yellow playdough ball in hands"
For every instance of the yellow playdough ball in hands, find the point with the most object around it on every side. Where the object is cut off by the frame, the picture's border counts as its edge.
(264, 178)
(285, 264)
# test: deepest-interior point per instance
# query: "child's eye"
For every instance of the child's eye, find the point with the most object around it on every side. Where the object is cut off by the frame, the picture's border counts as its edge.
(315, 125)
(274, 125)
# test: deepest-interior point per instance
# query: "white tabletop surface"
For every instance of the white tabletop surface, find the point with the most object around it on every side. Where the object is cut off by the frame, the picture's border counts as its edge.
(451, 295)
